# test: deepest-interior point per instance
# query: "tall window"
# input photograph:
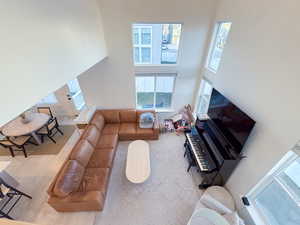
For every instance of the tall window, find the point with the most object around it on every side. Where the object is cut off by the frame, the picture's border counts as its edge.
(276, 199)
(154, 91)
(76, 94)
(204, 97)
(218, 45)
(155, 43)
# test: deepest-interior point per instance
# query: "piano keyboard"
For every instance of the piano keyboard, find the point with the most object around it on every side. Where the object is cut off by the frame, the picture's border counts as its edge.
(198, 148)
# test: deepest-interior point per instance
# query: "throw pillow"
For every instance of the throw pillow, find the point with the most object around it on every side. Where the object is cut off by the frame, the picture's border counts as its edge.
(147, 120)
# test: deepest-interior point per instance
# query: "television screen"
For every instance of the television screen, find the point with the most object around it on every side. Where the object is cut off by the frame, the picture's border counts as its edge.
(234, 124)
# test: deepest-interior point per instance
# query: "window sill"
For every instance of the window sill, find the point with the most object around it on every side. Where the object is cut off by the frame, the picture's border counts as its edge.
(160, 110)
(164, 110)
(211, 70)
(254, 216)
(156, 65)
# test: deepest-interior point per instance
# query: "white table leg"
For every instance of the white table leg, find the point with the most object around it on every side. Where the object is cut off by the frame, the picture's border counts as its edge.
(36, 137)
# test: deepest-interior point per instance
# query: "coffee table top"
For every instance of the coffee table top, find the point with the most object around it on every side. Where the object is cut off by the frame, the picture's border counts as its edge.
(138, 162)
(17, 128)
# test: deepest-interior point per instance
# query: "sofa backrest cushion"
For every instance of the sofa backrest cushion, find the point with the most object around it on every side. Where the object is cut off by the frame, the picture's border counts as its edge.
(92, 134)
(139, 112)
(128, 116)
(111, 116)
(69, 179)
(98, 121)
(82, 152)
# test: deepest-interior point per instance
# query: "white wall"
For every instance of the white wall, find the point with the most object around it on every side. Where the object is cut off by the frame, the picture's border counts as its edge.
(111, 84)
(260, 73)
(43, 45)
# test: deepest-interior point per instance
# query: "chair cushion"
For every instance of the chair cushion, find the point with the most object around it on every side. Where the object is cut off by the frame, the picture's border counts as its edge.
(111, 116)
(92, 134)
(128, 116)
(95, 179)
(98, 121)
(69, 179)
(218, 199)
(6, 143)
(82, 152)
(102, 158)
(111, 128)
(108, 141)
(127, 128)
(21, 140)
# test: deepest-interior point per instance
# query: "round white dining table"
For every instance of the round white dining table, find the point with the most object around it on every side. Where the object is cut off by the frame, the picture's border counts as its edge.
(17, 128)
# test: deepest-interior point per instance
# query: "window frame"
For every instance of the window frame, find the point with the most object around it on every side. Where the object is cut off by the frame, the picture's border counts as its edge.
(203, 82)
(213, 43)
(153, 63)
(155, 75)
(140, 45)
(254, 211)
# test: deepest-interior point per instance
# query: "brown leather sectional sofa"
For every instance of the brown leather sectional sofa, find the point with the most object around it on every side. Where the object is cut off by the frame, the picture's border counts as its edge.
(81, 183)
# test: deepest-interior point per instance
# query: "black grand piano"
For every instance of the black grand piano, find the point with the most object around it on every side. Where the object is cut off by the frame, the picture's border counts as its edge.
(214, 145)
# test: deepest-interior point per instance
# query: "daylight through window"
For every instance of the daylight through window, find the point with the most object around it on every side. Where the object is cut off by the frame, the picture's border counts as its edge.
(154, 91)
(155, 43)
(220, 39)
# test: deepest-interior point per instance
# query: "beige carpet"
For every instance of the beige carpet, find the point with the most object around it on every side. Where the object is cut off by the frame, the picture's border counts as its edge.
(168, 197)
(48, 147)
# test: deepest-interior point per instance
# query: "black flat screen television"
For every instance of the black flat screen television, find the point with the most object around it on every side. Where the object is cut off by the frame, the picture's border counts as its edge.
(234, 124)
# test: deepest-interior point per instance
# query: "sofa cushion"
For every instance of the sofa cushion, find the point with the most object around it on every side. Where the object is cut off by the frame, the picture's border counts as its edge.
(127, 128)
(82, 152)
(108, 141)
(128, 116)
(111, 128)
(98, 121)
(78, 201)
(111, 116)
(144, 131)
(92, 134)
(102, 158)
(95, 179)
(69, 179)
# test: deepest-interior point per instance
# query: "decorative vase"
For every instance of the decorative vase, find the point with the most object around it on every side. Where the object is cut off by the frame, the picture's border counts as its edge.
(25, 119)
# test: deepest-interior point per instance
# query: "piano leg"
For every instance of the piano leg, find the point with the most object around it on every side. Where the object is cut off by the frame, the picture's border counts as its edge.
(190, 166)
(203, 186)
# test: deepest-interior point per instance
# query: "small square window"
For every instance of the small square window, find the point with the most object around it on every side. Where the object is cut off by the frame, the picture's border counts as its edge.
(219, 41)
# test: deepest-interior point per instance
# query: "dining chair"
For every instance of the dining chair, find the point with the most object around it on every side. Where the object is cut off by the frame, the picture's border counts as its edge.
(9, 197)
(45, 110)
(16, 144)
(50, 129)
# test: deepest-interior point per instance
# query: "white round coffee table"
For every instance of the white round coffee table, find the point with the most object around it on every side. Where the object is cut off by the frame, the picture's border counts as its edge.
(138, 162)
(207, 216)
(17, 128)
